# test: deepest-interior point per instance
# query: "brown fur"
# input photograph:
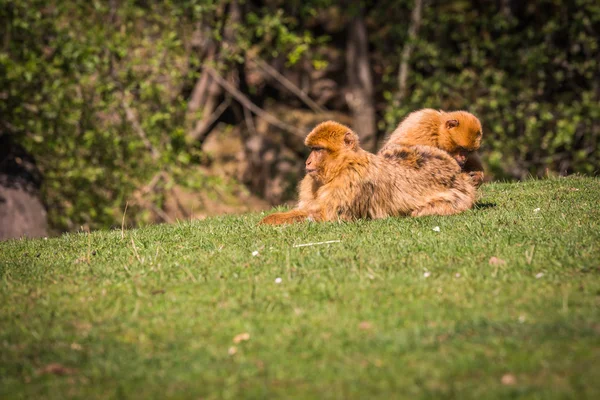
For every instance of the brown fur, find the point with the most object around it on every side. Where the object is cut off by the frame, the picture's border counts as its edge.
(345, 182)
(456, 132)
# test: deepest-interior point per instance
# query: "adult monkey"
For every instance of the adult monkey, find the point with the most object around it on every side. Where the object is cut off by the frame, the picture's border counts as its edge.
(345, 182)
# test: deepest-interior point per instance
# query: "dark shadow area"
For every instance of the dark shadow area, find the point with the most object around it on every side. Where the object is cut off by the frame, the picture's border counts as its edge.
(481, 205)
(17, 167)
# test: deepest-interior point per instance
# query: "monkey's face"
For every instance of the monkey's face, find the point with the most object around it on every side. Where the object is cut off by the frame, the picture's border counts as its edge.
(328, 142)
(461, 137)
(315, 162)
(461, 155)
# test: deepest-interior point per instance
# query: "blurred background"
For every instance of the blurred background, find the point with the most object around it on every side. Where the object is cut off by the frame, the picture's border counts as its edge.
(172, 110)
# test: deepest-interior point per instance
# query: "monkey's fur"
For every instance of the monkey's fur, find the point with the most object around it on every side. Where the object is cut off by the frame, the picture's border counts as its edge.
(456, 132)
(345, 182)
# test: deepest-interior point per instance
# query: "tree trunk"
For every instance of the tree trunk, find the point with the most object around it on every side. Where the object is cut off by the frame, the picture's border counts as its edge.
(207, 91)
(413, 31)
(360, 94)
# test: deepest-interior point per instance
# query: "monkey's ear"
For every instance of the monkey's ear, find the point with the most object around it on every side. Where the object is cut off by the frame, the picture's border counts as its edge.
(349, 140)
(451, 123)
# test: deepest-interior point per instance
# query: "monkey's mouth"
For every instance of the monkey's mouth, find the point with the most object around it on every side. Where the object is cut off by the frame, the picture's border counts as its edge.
(311, 171)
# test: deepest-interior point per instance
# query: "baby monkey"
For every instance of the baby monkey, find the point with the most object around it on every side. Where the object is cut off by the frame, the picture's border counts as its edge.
(456, 132)
(345, 182)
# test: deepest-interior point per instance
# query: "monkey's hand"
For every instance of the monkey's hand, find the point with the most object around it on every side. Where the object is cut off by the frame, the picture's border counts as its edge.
(476, 177)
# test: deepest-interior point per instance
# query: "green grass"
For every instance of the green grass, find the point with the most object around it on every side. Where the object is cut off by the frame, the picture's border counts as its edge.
(154, 314)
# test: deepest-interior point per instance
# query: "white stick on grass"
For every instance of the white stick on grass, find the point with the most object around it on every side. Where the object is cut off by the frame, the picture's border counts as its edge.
(316, 243)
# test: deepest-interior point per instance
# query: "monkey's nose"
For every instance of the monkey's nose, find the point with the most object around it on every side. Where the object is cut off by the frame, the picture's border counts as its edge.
(461, 159)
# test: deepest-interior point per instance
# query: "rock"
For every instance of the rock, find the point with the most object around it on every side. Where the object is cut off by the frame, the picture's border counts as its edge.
(22, 212)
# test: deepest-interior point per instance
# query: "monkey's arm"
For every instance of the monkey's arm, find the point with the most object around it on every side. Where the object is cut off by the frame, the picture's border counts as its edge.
(474, 167)
(307, 206)
(306, 192)
(338, 201)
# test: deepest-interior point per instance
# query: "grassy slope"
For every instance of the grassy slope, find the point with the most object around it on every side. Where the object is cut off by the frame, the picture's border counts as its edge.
(155, 314)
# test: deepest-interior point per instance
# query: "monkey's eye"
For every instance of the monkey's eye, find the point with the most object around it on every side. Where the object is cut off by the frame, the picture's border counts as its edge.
(317, 149)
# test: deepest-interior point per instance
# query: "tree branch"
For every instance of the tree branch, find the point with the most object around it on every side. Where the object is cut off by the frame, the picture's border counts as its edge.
(249, 121)
(204, 124)
(246, 102)
(289, 85)
(206, 92)
(200, 91)
(135, 124)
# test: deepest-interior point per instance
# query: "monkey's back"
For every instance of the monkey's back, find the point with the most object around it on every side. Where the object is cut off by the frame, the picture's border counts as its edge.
(418, 128)
(410, 177)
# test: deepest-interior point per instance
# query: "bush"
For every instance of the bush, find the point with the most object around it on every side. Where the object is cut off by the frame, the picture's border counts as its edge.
(530, 72)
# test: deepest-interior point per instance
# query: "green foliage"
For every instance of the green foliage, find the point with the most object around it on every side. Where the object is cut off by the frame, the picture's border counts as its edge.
(274, 32)
(68, 72)
(530, 73)
(392, 310)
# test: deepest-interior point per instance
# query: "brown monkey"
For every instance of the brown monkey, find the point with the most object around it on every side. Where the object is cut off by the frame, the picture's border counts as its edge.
(345, 182)
(456, 132)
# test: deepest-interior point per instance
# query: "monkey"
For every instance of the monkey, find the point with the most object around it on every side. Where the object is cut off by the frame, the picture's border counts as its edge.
(343, 182)
(456, 132)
